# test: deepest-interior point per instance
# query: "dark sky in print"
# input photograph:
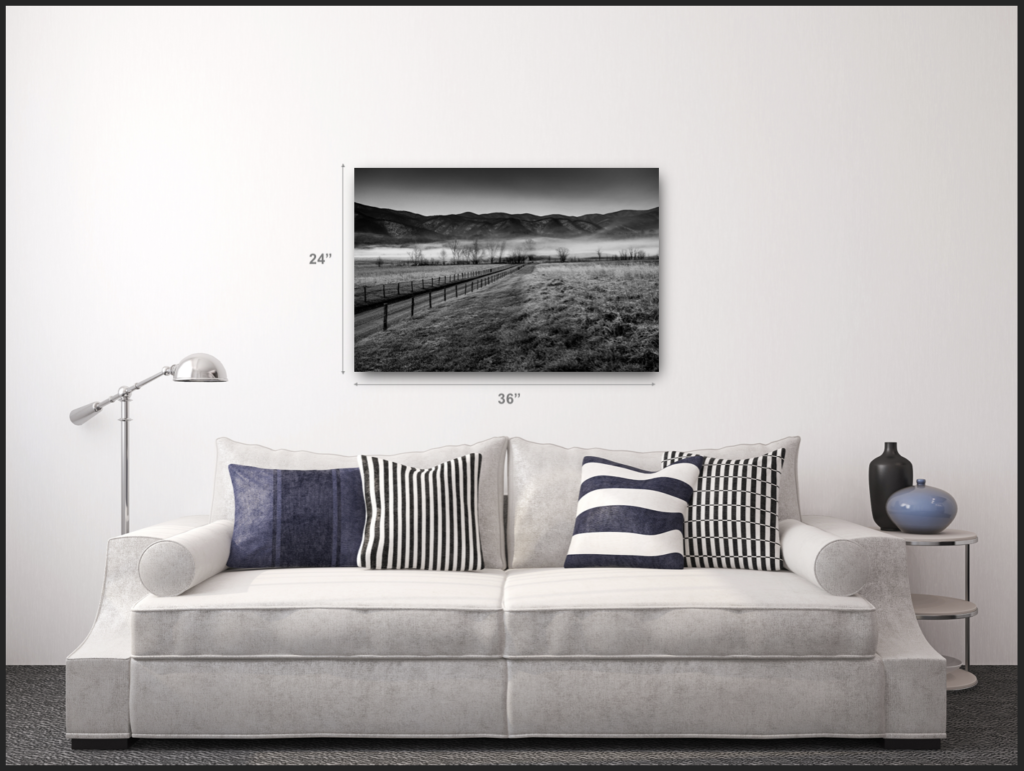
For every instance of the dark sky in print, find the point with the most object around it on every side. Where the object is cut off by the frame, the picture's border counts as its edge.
(512, 191)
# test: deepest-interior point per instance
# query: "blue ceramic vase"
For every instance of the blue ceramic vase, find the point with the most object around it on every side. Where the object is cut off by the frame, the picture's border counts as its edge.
(921, 509)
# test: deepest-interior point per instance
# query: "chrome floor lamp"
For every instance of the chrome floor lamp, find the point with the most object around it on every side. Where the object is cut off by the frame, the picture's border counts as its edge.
(195, 368)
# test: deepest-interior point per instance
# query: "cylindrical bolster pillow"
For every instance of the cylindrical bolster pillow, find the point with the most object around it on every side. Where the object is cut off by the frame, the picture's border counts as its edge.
(838, 566)
(172, 566)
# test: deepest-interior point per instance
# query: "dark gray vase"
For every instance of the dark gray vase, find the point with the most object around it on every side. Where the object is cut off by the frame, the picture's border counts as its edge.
(887, 473)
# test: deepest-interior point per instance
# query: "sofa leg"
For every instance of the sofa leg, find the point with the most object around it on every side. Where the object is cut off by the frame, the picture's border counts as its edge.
(913, 744)
(101, 744)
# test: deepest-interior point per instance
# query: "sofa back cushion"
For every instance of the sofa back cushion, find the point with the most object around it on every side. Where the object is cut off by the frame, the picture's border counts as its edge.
(543, 491)
(492, 468)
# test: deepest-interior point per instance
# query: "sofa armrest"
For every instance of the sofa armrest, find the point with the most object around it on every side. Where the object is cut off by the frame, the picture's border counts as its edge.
(174, 565)
(839, 566)
(96, 680)
(915, 691)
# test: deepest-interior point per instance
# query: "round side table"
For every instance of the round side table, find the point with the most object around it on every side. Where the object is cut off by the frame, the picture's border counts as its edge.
(932, 607)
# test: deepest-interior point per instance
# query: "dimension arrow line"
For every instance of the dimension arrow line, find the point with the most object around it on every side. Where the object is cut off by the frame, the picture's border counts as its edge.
(343, 269)
(492, 385)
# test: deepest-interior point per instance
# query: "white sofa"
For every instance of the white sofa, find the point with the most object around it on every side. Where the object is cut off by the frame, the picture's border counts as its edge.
(523, 648)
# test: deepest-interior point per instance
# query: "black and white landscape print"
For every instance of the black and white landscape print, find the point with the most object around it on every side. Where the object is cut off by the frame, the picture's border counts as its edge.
(506, 270)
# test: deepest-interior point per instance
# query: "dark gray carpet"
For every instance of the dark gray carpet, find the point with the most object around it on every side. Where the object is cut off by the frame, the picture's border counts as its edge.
(982, 730)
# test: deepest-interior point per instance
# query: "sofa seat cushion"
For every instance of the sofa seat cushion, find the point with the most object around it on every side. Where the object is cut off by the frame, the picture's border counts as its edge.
(695, 612)
(334, 612)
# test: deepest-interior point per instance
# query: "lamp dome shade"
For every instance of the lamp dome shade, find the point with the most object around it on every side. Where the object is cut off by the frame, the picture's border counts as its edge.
(200, 368)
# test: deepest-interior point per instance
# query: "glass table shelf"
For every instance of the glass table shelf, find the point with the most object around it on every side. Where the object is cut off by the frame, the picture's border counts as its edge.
(934, 607)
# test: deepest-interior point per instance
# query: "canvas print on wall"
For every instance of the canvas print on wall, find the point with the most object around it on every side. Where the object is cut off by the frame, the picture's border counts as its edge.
(506, 270)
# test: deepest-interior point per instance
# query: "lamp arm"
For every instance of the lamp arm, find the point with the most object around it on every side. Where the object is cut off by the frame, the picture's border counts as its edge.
(150, 379)
(83, 413)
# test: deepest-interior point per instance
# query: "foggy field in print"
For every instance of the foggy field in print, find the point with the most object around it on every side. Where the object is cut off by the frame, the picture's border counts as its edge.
(573, 317)
(506, 270)
(546, 249)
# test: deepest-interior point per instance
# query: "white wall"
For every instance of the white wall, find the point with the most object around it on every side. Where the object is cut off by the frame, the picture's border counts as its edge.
(839, 241)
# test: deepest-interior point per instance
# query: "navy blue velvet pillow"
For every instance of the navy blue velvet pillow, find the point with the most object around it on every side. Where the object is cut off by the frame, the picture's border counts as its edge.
(296, 519)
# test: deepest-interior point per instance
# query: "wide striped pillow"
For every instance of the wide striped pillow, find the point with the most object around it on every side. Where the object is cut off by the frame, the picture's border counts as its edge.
(421, 519)
(629, 518)
(734, 519)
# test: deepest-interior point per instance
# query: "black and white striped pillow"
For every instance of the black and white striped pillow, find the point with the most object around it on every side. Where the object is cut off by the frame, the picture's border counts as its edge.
(734, 517)
(630, 518)
(421, 519)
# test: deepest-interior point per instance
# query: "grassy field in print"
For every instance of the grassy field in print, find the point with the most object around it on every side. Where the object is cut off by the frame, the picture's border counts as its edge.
(572, 317)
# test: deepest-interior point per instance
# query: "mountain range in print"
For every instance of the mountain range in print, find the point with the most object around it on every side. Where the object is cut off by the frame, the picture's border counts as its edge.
(379, 226)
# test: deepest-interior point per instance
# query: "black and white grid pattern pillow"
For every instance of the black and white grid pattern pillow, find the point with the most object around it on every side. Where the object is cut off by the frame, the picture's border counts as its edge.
(421, 519)
(734, 517)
